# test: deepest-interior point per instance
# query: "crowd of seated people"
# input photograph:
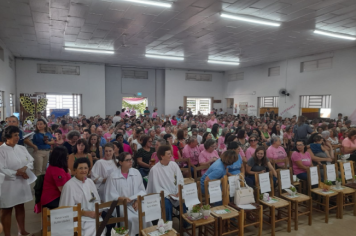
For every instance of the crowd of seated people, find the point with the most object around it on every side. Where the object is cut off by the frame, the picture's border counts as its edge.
(125, 155)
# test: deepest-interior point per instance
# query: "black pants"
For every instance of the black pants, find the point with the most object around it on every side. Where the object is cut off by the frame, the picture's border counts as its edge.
(52, 205)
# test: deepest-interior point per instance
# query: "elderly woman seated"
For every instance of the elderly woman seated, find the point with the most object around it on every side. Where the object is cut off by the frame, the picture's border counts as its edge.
(349, 144)
(276, 152)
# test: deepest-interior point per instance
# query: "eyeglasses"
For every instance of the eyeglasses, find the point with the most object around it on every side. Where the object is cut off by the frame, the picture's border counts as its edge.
(253, 140)
(300, 145)
(128, 160)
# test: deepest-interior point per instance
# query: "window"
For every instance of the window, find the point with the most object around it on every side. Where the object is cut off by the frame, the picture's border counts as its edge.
(12, 103)
(268, 101)
(236, 77)
(134, 74)
(274, 71)
(316, 65)
(199, 104)
(315, 101)
(65, 101)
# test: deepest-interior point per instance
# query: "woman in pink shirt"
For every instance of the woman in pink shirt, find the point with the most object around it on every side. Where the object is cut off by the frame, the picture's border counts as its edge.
(206, 136)
(349, 144)
(209, 155)
(253, 145)
(191, 151)
(301, 161)
(276, 152)
(211, 122)
(154, 114)
(120, 139)
(64, 128)
(174, 120)
(57, 174)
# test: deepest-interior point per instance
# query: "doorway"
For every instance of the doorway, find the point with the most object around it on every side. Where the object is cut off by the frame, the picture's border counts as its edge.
(139, 104)
(229, 105)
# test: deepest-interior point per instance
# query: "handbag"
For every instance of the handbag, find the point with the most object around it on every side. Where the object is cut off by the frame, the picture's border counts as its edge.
(243, 195)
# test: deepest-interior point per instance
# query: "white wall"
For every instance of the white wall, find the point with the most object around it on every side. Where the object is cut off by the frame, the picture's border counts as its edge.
(117, 88)
(90, 83)
(177, 87)
(339, 81)
(7, 79)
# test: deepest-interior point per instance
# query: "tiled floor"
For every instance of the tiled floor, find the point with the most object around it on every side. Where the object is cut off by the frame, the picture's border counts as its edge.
(335, 227)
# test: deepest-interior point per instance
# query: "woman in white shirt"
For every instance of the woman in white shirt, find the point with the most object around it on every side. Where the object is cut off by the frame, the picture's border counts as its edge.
(103, 168)
(126, 183)
(16, 164)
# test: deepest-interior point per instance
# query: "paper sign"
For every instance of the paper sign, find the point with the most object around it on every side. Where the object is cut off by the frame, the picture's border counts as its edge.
(314, 175)
(347, 170)
(31, 176)
(247, 206)
(330, 172)
(190, 194)
(2, 179)
(215, 192)
(232, 184)
(152, 207)
(285, 179)
(265, 184)
(62, 222)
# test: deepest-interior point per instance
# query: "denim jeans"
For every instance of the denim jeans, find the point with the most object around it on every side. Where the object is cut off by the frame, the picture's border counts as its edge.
(169, 211)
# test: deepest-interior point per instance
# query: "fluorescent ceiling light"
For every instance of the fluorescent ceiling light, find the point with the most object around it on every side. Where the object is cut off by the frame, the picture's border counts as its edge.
(153, 3)
(88, 50)
(334, 35)
(225, 62)
(252, 20)
(165, 57)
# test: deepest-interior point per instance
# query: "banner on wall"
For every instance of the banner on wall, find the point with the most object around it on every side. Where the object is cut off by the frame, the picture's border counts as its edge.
(59, 112)
(243, 108)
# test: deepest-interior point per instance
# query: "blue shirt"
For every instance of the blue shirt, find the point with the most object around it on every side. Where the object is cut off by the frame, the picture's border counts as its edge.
(235, 168)
(38, 140)
(216, 171)
(125, 142)
(102, 142)
(316, 148)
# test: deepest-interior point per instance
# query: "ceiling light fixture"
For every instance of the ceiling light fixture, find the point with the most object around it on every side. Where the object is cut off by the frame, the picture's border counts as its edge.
(224, 62)
(334, 35)
(88, 50)
(165, 57)
(248, 19)
(153, 3)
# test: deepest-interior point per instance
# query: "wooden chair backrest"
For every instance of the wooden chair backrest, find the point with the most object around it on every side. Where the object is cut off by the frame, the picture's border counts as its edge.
(186, 168)
(206, 187)
(226, 199)
(46, 220)
(279, 179)
(141, 214)
(198, 169)
(258, 187)
(326, 172)
(342, 170)
(114, 220)
(285, 161)
(309, 186)
(182, 201)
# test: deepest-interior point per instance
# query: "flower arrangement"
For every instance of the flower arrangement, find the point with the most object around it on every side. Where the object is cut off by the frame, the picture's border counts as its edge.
(164, 227)
(196, 209)
(326, 185)
(206, 211)
(121, 231)
(266, 197)
(338, 183)
(206, 207)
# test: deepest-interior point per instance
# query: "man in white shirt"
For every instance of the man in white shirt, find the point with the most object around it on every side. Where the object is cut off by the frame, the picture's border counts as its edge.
(116, 118)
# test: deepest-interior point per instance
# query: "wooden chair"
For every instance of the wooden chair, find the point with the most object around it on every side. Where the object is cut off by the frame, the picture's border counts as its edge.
(346, 193)
(282, 207)
(296, 202)
(284, 160)
(114, 220)
(46, 220)
(210, 225)
(141, 214)
(226, 222)
(323, 198)
(185, 168)
(342, 166)
(197, 171)
(252, 213)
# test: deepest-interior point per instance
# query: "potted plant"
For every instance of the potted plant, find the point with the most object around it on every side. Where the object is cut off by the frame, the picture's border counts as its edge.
(196, 211)
(206, 211)
(327, 185)
(121, 231)
(261, 196)
(294, 191)
(338, 183)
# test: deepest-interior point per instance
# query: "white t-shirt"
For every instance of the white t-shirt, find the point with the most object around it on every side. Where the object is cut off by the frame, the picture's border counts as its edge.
(116, 119)
(333, 142)
(137, 144)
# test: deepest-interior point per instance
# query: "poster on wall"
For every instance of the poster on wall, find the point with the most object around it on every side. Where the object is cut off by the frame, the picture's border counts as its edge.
(30, 104)
(243, 108)
(59, 112)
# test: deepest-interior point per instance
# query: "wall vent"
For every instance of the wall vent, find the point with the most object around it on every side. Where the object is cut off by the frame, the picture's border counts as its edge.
(274, 71)
(134, 74)
(319, 64)
(236, 76)
(58, 69)
(198, 77)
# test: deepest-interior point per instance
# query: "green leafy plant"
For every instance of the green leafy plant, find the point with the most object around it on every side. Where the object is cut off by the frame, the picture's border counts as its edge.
(120, 230)
(196, 209)
(261, 196)
(328, 182)
(338, 179)
(355, 177)
(293, 189)
(138, 107)
(206, 207)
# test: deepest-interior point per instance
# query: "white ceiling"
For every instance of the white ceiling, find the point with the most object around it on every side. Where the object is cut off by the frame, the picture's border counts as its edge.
(193, 28)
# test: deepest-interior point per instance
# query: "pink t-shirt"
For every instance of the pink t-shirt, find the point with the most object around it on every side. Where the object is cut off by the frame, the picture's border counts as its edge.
(154, 156)
(154, 114)
(287, 136)
(129, 132)
(55, 177)
(163, 129)
(127, 148)
(249, 152)
(192, 154)
(64, 131)
(221, 141)
(201, 147)
(174, 122)
(125, 175)
(283, 127)
(306, 161)
(210, 123)
(206, 156)
(241, 153)
(348, 143)
(107, 136)
(276, 153)
(122, 115)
